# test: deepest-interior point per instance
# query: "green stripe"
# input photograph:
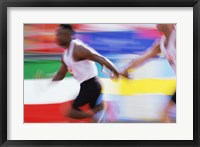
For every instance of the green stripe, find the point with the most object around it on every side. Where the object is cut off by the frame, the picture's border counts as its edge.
(34, 69)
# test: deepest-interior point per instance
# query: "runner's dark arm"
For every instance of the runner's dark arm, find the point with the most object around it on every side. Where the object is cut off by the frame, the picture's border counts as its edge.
(81, 53)
(61, 73)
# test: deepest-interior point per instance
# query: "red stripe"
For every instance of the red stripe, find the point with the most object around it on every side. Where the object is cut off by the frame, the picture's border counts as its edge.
(49, 113)
(45, 50)
(41, 38)
(148, 33)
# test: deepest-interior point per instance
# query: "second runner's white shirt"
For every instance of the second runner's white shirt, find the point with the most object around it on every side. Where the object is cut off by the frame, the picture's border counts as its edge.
(170, 50)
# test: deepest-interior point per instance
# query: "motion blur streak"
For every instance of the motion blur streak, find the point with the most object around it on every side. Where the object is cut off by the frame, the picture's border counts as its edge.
(139, 99)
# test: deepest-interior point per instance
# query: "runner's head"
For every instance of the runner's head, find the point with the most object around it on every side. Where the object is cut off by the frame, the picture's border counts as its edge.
(165, 27)
(64, 35)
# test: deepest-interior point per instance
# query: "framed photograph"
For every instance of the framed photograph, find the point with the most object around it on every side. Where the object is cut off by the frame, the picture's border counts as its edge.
(99, 73)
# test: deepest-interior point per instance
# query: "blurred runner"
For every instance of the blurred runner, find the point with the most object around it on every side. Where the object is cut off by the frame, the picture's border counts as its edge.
(167, 45)
(79, 59)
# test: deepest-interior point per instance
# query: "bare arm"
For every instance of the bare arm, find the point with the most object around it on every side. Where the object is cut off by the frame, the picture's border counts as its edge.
(81, 53)
(61, 73)
(155, 50)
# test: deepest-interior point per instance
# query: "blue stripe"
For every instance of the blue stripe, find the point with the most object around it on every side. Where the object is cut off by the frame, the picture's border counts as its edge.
(122, 42)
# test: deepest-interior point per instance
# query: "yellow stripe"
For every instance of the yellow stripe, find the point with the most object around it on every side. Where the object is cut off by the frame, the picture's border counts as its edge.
(142, 86)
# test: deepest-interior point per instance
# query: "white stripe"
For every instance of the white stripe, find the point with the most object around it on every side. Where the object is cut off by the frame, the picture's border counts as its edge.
(43, 91)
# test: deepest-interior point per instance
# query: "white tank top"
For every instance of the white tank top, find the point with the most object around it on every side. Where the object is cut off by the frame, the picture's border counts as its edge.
(81, 70)
(170, 50)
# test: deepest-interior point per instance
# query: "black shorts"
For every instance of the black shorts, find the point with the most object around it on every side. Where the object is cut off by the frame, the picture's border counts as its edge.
(173, 98)
(89, 92)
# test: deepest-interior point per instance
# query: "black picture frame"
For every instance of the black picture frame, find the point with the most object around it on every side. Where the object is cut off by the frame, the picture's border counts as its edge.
(4, 4)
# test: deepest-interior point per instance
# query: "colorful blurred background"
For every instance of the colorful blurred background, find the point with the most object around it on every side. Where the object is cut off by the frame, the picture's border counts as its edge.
(140, 99)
